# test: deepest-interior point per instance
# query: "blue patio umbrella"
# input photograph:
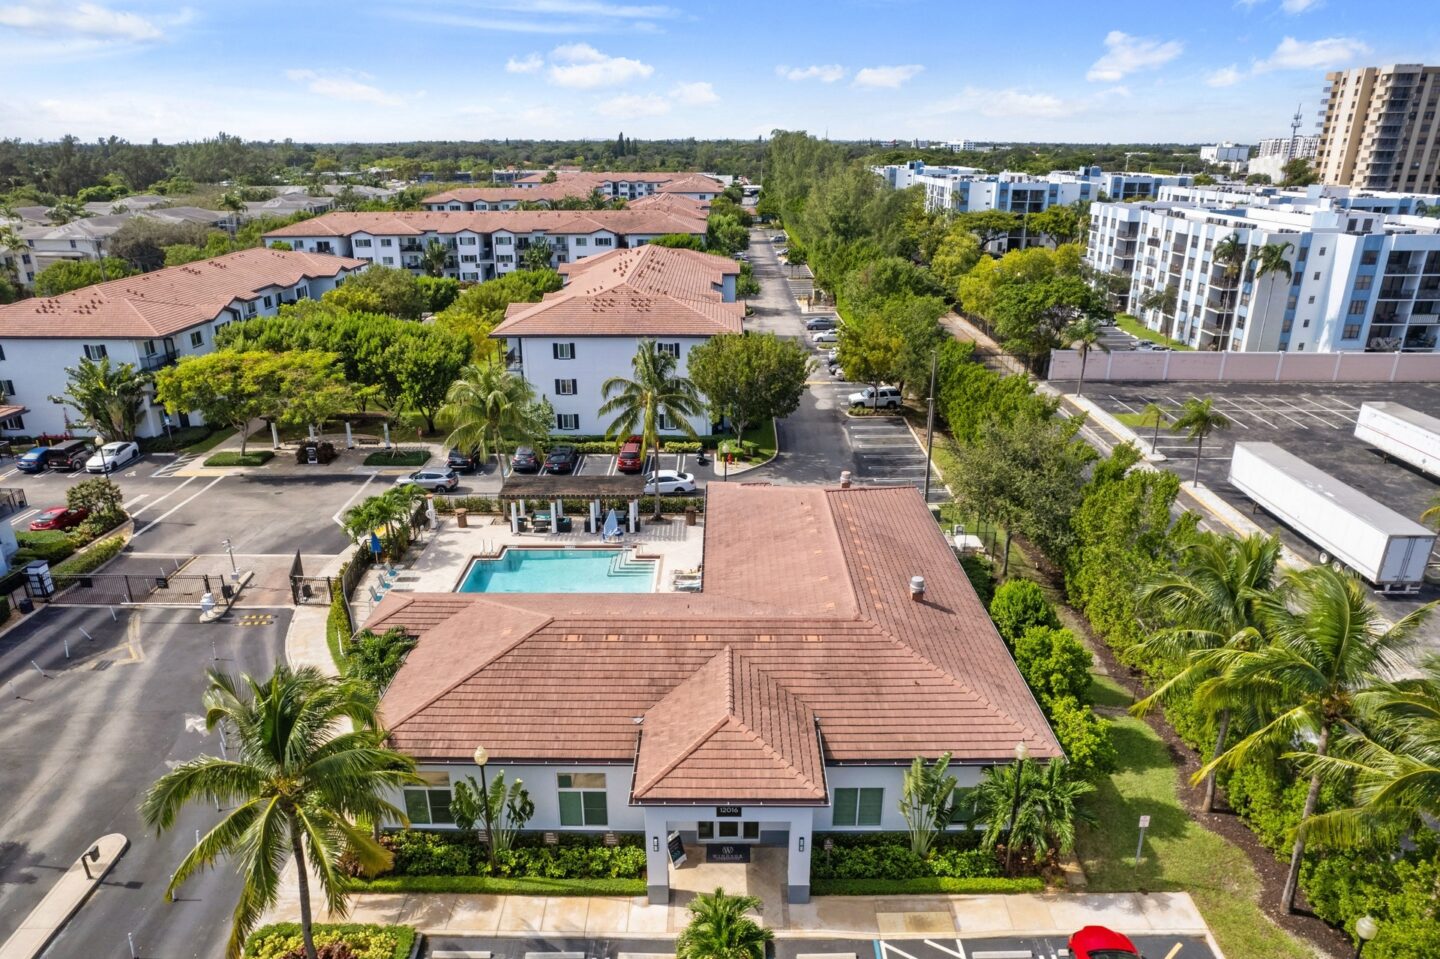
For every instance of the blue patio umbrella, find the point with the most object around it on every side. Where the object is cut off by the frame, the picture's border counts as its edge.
(375, 546)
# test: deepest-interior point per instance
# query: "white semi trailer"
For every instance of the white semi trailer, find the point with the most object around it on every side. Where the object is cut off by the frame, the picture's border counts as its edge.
(1386, 548)
(1401, 433)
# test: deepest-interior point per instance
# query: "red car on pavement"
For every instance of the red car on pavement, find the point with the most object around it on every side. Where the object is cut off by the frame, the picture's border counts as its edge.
(1097, 942)
(58, 517)
(631, 458)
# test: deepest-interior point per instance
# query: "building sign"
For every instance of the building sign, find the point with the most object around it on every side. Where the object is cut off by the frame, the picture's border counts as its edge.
(727, 852)
(727, 812)
(677, 850)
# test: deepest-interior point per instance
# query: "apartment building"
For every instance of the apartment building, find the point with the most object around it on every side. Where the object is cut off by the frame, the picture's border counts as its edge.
(1360, 280)
(567, 345)
(1316, 196)
(965, 189)
(86, 238)
(625, 186)
(1380, 130)
(482, 245)
(1272, 153)
(149, 321)
(1226, 153)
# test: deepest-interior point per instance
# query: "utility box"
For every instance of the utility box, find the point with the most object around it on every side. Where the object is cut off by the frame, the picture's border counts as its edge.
(37, 577)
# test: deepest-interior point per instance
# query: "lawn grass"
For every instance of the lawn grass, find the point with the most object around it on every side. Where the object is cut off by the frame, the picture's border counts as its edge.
(758, 443)
(1134, 327)
(189, 439)
(252, 458)
(1180, 854)
(397, 457)
(1105, 691)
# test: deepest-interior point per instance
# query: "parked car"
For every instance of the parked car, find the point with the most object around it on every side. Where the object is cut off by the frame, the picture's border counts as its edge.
(818, 323)
(59, 517)
(463, 462)
(65, 455)
(525, 460)
(1150, 346)
(434, 479)
(740, 257)
(1098, 942)
(562, 459)
(112, 456)
(670, 481)
(886, 397)
(778, 238)
(826, 336)
(780, 252)
(632, 456)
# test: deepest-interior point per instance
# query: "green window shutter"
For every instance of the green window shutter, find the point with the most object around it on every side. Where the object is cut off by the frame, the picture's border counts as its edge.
(570, 814)
(844, 811)
(440, 806)
(870, 802)
(596, 813)
(417, 810)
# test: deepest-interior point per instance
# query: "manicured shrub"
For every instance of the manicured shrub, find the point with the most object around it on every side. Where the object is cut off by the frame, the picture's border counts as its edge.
(1054, 663)
(365, 940)
(1084, 736)
(1018, 605)
(397, 457)
(251, 458)
(1343, 886)
(887, 856)
(49, 545)
(926, 885)
(422, 853)
(92, 559)
(982, 576)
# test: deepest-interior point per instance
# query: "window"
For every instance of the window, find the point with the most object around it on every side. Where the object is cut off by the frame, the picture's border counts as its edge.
(564, 387)
(96, 351)
(1369, 257)
(269, 302)
(505, 258)
(563, 351)
(582, 795)
(1312, 301)
(1357, 308)
(467, 241)
(581, 241)
(504, 240)
(389, 261)
(604, 241)
(7, 387)
(567, 421)
(469, 258)
(16, 422)
(1350, 332)
(664, 422)
(149, 347)
(857, 807)
(1322, 251)
(672, 348)
(364, 241)
(197, 338)
(2, 353)
(387, 241)
(1317, 275)
(430, 805)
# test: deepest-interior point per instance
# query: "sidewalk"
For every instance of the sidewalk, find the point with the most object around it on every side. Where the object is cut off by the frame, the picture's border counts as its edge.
(63, 900)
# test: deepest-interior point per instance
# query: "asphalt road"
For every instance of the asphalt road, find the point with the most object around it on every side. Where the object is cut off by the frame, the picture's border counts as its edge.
(81, 747)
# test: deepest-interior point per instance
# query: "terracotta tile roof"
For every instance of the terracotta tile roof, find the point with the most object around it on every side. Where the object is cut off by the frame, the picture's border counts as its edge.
(646, 291)
(809, 587)
(729, 733)
(416, 223)
(694, 183)
(672, 203)
(544, 192)
(169, 300)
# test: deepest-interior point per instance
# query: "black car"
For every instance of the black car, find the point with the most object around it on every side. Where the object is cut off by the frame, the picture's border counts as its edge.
(562, 459)
(463, 462)
(525, 460)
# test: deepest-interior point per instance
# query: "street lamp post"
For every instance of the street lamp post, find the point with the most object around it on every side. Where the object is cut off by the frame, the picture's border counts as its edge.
(1366, 928)
(482, 756)
(1022, 753)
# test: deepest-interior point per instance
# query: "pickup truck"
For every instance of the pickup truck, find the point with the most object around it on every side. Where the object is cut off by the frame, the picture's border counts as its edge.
(887, 397)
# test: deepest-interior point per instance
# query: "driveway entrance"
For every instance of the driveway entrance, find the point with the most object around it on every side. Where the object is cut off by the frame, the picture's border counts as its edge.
(762, 877)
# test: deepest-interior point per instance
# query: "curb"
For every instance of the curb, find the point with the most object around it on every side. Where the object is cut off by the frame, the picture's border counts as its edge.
(221, 609)
(63, 900)
(774, 425)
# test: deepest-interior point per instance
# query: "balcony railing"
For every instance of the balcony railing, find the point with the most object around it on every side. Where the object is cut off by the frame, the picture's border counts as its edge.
(155, 361)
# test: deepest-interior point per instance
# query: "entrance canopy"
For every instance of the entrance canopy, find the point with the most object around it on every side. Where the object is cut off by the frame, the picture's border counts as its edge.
(543, 486)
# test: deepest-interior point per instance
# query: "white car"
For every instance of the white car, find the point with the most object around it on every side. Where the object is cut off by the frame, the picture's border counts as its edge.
(826, 336)
(887, 397)
(778, 238)
(112, 456)
(670, 481)
(435, 480)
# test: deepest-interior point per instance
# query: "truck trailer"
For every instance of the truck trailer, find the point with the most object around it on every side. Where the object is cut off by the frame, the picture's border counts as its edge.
(1401, 433)
(1388, 550)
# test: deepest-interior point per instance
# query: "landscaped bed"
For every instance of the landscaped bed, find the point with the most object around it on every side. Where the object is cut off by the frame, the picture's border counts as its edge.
(233, 458)
(882, 864)
(366, 940)
(397, 457)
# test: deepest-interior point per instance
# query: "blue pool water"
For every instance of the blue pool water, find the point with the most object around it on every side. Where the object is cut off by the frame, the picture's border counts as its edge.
(560, 571)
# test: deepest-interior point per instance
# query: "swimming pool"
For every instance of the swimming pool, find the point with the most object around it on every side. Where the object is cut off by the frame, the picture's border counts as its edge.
(560, 571)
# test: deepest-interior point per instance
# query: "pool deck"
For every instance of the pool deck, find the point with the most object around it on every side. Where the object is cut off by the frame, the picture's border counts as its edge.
(446, 553)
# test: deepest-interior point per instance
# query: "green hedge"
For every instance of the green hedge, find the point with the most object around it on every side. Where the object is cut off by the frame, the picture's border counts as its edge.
(92, 559)
(606, 447)
(528, 886)
(1343, 886)
(368, 940)
(52, 546)
(927, 885)
(252, 458)
(576, 509)
(397, 457)
(887, 856)
(439, 854)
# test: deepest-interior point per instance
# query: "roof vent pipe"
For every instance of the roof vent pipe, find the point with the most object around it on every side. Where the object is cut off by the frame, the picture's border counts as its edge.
(917, 588)
(844, 479)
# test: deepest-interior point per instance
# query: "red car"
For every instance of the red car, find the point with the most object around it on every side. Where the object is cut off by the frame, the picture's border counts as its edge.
(631, 457)
(58, 517)
(1097, 942)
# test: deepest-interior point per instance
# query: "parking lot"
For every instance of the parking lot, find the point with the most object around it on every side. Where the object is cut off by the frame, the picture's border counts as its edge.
(603, 464)
(1315, 422)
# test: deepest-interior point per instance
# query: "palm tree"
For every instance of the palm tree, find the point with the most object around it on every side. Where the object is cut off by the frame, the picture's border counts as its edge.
(1154, 414)
(1393, 766)
(537, 256)
(297, 783)
(1042, 805)
(1164, 302)
(1328, 643)
(1229, 254)
(485, 404)
(1199, 418)
(1211, 600)
(65, 210)
(233, 202)
(719, 929)
(1270, 259)
(1083, 336)
(434, 258)
(655, 392)
(108, 397)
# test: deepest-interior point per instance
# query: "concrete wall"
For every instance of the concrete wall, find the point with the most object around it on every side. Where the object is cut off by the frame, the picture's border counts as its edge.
(1145, 366)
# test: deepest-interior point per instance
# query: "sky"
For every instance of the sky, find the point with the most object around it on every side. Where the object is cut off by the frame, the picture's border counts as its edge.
(1043, 70)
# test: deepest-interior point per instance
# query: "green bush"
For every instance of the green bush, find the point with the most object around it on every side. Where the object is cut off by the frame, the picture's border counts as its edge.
(422, 853)
(1054, 663)
(485, 885)
(1084, 736)
(397, 457)
(982, 576)
(1343, 886)
(1018, 605)
(369, 941)
(887, 856)
(928, 885)
(49, 545)
(92, 559)
(252, 458)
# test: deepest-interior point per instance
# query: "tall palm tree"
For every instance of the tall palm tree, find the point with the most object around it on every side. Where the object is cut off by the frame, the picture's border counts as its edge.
(655, 391)
(1229, 255)
(1328, 644)
(1212, 601)
(1269, 260)
(434, 258)
(1083, 336)
(1198, 418)
(65, 210)
(1042, 805)
(107, 396)
(297, 782)
(719, 929)
(1155, 415)
(485, 404)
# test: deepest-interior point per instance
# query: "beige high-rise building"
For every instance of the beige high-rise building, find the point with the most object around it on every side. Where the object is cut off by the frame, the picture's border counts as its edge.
(1380, 129)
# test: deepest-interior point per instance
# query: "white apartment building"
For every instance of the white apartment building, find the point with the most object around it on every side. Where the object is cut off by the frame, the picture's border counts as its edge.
(1316, 196)
(573, 340)
(1273, 153)
(1360, 280)
(1225, 154)
(482, 245)
(87, 238)
(149, 321)
(624, 186)
(964, 189)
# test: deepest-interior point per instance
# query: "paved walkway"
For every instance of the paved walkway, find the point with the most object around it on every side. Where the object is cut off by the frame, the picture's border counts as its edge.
(64, 898)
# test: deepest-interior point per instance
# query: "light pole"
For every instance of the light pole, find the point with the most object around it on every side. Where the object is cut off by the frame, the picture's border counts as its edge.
(482, 756)
(1022, 753)
(930, 424)
(1366, 928)
(230, 548)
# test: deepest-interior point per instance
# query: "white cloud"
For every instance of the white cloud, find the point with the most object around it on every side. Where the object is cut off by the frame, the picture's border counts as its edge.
(89, 20)
(1294, 54)
(1297, 6)
(530, 64)
(694, 94)
(1224, 77)
(824, 72)
(634, 105)
(582, 67)
(886, 77)
(1126, 54)
(1011, 102)
(342, 86)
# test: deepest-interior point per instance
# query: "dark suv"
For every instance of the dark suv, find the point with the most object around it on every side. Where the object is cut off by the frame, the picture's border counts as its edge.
(525, 460)
(562, 459)
(462, 462)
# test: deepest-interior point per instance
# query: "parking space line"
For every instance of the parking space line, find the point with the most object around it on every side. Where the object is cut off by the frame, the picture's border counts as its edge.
(1233, 410)
(177, 506)
(1266, 405)
(1311, 413)
(958, 952)
(353, 497)
(160, 499)
(25, 515)
(1119, 402)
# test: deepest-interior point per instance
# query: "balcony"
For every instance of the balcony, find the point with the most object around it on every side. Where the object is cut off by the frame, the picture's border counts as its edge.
(156, 361)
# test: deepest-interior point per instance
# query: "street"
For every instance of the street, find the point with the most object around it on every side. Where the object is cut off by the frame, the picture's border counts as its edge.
(82, 745)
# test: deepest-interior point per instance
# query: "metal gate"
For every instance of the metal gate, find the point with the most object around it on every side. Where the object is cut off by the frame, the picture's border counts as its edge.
(119, 589)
